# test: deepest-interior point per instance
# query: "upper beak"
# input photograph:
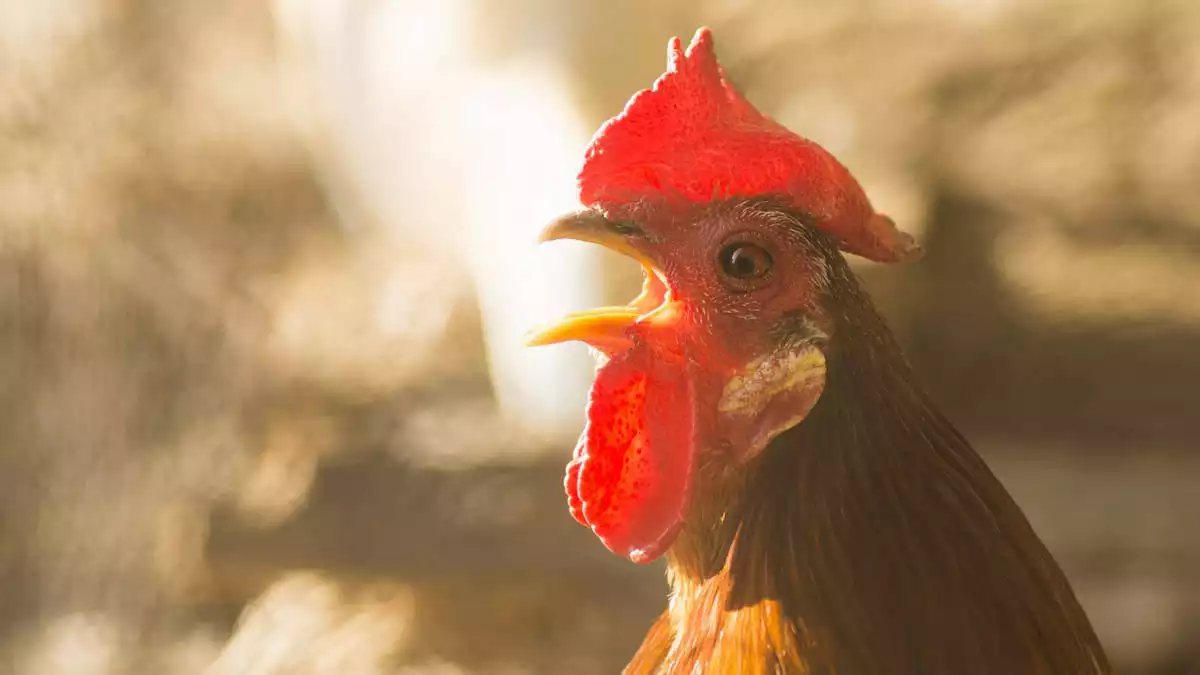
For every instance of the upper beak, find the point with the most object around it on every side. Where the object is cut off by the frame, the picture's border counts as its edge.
(605, 328)
(593, 227)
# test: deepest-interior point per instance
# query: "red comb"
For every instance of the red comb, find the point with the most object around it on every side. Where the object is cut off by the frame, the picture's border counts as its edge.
(692, 136)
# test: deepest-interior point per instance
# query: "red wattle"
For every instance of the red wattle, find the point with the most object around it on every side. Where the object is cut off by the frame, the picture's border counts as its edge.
(631, 477)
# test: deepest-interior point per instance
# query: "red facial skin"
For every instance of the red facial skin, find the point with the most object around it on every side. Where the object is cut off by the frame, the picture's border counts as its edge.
(654, 406)
(727, 322)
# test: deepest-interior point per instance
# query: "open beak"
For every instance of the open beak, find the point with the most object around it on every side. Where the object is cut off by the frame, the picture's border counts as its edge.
(605, 328)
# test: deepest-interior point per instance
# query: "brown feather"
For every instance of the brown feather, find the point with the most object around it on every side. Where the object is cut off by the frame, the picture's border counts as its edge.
(868, 539)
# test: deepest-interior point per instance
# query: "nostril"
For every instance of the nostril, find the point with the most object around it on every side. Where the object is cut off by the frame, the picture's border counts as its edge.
(626, 228)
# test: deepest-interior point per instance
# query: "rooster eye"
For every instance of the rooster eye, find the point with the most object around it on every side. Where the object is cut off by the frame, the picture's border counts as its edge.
(744, 261)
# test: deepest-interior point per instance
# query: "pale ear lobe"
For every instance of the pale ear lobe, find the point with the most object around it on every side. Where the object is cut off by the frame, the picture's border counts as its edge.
(771, 395)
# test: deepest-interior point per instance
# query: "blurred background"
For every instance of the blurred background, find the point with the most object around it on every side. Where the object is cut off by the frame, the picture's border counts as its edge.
(264, 268)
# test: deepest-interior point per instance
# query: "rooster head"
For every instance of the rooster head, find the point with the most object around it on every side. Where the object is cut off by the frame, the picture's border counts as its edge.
(732, 218)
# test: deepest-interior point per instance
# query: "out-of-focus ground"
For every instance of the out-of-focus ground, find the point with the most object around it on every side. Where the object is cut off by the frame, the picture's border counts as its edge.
(263, 266)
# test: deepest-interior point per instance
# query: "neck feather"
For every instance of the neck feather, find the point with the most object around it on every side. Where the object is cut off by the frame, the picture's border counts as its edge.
(870, 538)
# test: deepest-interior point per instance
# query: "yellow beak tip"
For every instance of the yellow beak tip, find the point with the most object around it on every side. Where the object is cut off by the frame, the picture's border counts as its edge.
(534, 339)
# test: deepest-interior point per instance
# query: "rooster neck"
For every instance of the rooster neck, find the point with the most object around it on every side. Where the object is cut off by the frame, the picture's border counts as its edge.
(870, 538)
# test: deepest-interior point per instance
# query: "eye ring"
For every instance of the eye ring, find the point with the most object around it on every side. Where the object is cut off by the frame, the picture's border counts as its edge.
(744, 264)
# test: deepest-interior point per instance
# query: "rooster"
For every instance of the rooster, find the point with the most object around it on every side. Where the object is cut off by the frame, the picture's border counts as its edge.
(753, 419)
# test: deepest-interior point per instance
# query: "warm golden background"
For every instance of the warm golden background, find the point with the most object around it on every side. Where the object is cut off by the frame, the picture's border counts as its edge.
(264, 268)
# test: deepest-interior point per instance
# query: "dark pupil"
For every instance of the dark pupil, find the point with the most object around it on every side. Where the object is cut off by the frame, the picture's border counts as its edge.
(745, 261)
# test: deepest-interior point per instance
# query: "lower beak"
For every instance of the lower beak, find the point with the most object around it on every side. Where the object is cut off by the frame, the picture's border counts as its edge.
(605, 328)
